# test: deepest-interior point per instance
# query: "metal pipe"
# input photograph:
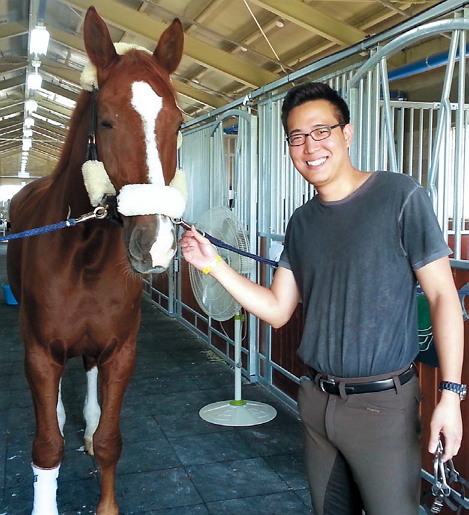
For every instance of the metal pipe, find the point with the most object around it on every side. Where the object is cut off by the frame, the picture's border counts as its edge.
(429, 63)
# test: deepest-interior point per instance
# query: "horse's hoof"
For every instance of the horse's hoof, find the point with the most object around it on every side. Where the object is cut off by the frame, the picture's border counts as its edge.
(89, 446)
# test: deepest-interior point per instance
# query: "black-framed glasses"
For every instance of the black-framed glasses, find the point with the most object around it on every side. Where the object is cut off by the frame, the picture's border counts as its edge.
(318, 134)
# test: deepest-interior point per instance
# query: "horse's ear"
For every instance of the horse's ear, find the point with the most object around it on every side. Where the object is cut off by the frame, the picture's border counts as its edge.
(98, 44)
(168, 53)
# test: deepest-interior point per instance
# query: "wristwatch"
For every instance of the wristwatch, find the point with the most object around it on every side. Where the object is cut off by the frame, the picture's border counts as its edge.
(460, 389)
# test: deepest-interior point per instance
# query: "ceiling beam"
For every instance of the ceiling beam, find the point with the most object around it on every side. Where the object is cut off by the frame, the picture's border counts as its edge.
(58, 90)
(13, 64)
(51, 115)
(12, 83)
(13, 29)
(197, 94)
(54, 133)
(55, 108)
(314, 21)
(128, 19)
(14, 109)
(73, 76)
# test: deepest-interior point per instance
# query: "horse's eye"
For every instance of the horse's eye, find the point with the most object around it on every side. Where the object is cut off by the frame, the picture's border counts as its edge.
(106, 124)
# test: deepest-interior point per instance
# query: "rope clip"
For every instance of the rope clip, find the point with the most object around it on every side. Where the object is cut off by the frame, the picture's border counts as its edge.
(99, 213)
(181, 222)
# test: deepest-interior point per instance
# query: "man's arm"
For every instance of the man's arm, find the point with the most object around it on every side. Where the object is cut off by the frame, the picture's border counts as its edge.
(274, 305)
(437, 283)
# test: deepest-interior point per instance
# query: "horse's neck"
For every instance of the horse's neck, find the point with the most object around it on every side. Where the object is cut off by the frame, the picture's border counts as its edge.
(68, 184)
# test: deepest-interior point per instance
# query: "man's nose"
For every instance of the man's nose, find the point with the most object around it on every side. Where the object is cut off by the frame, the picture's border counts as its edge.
(310, 143)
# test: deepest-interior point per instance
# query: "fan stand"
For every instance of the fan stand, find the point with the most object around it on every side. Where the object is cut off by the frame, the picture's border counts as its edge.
(238, 412)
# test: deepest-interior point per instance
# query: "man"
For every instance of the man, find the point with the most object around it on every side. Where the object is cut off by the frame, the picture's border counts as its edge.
(353, 255)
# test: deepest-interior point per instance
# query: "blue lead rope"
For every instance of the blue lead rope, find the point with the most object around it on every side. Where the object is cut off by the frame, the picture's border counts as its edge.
(223, 245)
(98, 213)
(41, 230)
(219, 243)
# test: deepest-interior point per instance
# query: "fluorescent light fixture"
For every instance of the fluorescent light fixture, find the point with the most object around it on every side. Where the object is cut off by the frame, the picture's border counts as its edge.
(27, 133)
(23, 174)
(30, 106)
(34, 80)
(27, 143)
(39, 40)
(28, 122)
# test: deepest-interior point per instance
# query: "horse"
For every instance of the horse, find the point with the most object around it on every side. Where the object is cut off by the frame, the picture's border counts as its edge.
(80, 288)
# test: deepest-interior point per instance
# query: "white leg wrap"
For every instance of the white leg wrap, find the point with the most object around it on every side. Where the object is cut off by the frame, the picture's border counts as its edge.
(45, 491)
(61, 417)
(91, 409)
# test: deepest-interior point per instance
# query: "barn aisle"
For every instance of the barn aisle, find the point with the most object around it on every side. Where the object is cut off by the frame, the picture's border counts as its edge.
(173, 462)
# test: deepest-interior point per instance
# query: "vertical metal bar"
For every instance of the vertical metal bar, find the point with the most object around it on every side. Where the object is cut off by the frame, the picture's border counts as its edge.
(355, 115)
(367, 121)
(400, 138)
(458, 215)
(251, 157)
(388, 115)
(375, 115)
(420, 132)
(443, 115)
(410, 149)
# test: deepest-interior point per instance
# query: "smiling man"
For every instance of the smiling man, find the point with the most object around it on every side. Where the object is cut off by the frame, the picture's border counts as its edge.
(353, 255)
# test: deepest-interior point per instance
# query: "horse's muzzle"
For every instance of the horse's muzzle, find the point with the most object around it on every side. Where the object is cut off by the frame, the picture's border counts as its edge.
(152, 243)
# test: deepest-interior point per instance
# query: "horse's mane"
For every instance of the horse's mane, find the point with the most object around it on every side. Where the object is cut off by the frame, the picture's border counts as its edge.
(79, 111)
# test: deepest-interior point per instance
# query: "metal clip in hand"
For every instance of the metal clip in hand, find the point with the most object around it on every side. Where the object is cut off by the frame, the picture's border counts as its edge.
(440, 485)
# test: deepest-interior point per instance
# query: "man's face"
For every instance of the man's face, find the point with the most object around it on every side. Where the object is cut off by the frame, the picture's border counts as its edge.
(320, 162)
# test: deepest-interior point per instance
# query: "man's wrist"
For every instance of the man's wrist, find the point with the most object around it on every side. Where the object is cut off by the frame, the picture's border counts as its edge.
(212, 264)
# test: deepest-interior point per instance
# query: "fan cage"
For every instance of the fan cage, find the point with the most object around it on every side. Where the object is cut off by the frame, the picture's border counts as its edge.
(212, 298)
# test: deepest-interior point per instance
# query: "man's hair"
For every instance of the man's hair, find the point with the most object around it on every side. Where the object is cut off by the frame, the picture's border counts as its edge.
(314, 91)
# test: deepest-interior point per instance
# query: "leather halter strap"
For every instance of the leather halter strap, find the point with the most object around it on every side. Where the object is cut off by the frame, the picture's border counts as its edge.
(92, 149)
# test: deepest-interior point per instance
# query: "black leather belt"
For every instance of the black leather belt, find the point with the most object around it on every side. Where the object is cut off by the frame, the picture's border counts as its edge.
(330, 385)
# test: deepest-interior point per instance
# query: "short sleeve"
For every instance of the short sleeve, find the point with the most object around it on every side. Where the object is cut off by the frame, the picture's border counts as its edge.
(421, 235)
(284, 261)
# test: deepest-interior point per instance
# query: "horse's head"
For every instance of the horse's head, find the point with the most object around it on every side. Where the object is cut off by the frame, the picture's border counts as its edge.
(137, 124)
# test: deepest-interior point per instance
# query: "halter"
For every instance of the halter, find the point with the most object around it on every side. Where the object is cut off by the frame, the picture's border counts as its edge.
(133, 199)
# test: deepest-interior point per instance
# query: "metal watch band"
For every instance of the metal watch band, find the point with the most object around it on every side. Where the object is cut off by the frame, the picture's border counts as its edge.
(460, 389)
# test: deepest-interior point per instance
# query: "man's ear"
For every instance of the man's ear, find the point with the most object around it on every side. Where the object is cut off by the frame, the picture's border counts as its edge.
(348, 134)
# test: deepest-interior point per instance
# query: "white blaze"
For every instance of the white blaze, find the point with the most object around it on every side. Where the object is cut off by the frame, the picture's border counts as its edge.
(148, 104)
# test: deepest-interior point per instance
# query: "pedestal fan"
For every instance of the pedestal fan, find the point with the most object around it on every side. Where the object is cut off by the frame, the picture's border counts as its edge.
(216, 302)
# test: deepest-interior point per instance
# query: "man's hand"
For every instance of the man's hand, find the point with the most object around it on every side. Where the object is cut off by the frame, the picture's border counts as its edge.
(447, 422)
(196, 249)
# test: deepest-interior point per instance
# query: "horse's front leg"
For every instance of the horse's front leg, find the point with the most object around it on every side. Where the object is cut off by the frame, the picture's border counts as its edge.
(114, 375)
(43, 375)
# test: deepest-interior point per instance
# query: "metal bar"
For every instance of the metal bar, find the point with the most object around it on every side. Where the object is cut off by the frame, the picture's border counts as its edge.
(388, 116)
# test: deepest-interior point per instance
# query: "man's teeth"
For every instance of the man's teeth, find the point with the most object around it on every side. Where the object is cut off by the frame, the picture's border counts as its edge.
(316, 162)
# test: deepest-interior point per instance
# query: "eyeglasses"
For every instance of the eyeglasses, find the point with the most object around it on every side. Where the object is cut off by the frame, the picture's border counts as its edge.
(296, 140)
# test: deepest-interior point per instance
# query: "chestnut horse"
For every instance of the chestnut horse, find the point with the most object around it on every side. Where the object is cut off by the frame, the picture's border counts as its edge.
(80, 288)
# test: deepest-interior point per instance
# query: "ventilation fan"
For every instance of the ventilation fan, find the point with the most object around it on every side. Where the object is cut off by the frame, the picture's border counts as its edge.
(218, 304)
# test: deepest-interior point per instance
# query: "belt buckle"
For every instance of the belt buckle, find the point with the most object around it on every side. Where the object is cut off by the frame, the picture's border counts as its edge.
(323, 380)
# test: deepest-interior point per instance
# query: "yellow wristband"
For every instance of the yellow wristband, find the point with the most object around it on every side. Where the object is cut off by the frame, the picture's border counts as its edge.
(212, 265)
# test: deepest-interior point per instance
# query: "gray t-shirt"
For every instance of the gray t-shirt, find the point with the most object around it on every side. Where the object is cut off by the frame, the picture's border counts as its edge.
(354, 262)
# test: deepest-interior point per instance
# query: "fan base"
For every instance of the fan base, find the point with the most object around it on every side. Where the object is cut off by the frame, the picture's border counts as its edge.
(238, 413)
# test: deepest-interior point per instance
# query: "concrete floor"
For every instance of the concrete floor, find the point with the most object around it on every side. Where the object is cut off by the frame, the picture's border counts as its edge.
(173, 462)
